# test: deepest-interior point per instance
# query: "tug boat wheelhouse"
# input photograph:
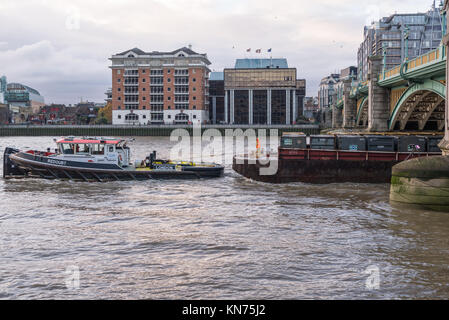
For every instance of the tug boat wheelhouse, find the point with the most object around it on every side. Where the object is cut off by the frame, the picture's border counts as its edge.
(92, 159)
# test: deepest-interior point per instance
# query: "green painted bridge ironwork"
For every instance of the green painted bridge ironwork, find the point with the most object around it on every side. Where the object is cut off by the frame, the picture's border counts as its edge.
(416, 93)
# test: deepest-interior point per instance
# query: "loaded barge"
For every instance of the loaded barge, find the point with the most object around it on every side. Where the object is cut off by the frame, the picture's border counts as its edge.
(92, 159)
(324, 159)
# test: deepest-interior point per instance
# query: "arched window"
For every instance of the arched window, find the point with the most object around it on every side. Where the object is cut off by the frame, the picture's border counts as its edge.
(132, 117)
(182, 118)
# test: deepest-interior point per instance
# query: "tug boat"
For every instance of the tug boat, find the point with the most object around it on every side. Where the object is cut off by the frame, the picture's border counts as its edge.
(93, 159)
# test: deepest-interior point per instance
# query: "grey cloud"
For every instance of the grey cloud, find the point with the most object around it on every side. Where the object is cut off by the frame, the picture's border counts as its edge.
(37, 48)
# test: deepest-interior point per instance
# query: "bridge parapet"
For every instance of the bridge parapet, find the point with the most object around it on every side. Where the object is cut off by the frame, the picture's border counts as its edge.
(419, 68)
(359, 88)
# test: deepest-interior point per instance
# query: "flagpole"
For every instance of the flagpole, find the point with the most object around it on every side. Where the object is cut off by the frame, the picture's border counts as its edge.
(271, 58)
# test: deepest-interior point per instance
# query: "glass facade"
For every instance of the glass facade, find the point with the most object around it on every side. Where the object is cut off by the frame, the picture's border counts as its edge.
(260, 106)
(241, 107)
(259, 78)
(425, 34)
(262, 95)
(216, 95)
(278, 107)
(220, 116)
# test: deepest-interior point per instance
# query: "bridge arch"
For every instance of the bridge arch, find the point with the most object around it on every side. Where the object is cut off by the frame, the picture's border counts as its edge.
(362, 112)
(421, 106)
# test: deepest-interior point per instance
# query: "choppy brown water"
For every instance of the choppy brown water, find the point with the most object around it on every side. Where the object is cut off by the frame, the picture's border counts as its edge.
(213, 239)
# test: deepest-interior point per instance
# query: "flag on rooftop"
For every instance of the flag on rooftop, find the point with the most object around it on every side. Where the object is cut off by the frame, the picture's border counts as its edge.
(269, 50)
(248, 50)
(258, 50)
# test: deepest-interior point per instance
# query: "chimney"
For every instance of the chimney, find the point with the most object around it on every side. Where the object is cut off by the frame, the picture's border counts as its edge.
(190, 46)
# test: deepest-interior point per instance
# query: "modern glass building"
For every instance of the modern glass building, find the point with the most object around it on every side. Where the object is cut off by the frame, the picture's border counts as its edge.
(424, 34)
(19, 95)
(261, 91)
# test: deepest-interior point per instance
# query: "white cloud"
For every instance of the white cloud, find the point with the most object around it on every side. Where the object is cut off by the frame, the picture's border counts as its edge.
(61, 47)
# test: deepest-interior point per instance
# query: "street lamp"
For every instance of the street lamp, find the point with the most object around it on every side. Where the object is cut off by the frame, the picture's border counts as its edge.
(406, 36)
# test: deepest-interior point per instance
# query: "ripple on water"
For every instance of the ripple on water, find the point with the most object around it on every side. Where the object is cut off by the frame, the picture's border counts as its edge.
(213, 239)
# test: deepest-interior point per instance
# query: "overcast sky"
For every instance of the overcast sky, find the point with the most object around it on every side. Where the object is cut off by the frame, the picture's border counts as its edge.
(61, 48)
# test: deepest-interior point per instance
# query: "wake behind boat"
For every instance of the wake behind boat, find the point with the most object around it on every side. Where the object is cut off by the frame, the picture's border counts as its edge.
(92, 159)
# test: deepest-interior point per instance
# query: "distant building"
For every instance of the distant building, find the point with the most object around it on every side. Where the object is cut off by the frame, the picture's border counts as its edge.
(348, 73)
(425, 34)
(300, 95)
(51, 114)
(216, 97)
(327, 90)
(2, 89)
(311, 107)
(19, 114)
(86, 112)
(331, 87)
(261, 91)
(108, 94)
(4, 113)
(19, 95)
(160, 87)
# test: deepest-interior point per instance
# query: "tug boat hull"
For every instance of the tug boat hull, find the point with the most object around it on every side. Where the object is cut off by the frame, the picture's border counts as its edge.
(25, 165)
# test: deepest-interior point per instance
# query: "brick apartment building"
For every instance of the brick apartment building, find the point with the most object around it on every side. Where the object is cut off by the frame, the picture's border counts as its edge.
(160, 87)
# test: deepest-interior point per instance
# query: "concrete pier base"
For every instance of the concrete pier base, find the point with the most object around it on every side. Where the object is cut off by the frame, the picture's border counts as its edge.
(422, 183)
(444, 146)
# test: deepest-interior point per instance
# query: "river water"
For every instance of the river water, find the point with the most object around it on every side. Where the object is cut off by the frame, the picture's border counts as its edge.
(224, 238)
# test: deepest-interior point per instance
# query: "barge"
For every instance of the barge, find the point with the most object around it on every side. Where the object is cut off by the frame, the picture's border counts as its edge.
(92, 159)
(330, 159)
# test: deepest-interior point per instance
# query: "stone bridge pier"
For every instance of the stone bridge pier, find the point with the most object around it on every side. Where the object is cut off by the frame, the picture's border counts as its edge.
(349, 106)
(378, 113)
(378, 99)
(337, 115)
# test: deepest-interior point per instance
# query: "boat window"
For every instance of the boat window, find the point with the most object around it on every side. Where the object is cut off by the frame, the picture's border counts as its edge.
(98, 149)
(111, 149)
(67, 148)
(83, 148)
